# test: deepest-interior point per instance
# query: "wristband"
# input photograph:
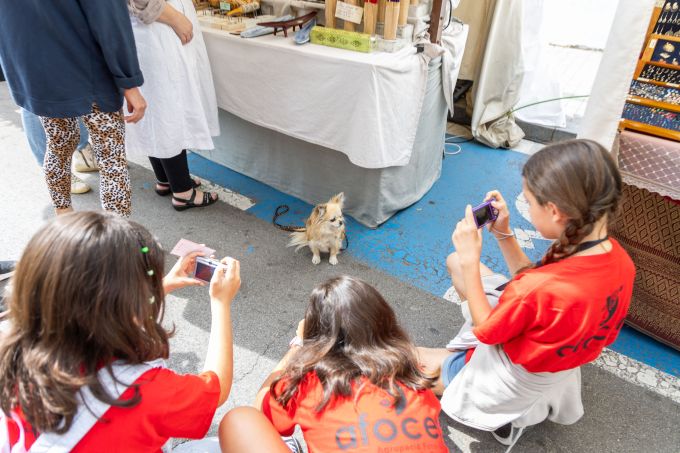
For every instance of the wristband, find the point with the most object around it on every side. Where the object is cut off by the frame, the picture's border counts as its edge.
(503, 235)
(296, 341)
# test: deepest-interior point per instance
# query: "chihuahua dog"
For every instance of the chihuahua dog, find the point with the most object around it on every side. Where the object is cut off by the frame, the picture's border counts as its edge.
(324, 230)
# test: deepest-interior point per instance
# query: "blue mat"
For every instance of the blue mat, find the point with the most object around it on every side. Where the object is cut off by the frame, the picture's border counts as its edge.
(413, 244)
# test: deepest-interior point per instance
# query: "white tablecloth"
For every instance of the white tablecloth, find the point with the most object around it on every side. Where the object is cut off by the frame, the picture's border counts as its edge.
(366, 106)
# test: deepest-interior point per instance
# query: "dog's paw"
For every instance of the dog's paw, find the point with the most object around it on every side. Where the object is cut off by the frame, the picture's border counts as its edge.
(333, 260)
(316, 259)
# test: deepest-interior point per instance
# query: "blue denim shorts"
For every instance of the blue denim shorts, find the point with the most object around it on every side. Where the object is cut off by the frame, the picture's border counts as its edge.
(452, 366)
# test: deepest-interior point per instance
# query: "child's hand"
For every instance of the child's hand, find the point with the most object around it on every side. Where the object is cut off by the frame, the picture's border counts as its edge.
(226, 281)
(178, 277)
(467, 239)
(502, 223)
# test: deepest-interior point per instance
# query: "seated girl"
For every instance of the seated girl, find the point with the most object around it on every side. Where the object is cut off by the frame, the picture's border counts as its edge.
(351, 378)
(81, 367)
(516, 360)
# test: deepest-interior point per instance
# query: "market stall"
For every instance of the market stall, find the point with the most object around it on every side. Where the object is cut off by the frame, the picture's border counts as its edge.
(648, 225)
(313, 120)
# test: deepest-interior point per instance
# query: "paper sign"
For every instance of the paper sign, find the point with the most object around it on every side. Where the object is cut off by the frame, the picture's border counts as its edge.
(225, 6)
(349, 13)
(185, 246)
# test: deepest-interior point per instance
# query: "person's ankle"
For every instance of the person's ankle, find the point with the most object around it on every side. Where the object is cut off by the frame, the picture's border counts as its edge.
(182, 194)
(60, 211)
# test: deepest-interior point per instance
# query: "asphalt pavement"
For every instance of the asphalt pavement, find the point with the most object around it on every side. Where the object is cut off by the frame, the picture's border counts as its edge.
(619, 416)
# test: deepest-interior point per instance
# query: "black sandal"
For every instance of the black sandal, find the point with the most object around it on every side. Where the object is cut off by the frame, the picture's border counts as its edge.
(188, 204)
(168, 191)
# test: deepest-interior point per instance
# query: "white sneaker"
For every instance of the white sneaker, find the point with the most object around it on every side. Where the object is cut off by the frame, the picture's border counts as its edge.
(78, 186)
(83, 160)
(292, 443)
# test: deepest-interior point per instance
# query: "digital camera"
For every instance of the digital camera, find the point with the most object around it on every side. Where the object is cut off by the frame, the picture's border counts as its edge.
(484, 213)
(205, 268)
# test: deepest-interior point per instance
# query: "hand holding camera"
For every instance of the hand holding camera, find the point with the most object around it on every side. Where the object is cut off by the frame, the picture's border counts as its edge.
(500, 227)
(467, 238)
(180, 274)
(225, 281)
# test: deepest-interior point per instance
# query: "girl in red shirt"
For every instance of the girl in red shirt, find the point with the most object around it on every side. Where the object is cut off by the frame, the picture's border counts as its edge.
(531, 334)
(351, 379)
(85, 329)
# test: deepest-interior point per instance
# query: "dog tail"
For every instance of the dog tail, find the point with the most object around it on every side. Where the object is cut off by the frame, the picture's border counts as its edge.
(298, 239)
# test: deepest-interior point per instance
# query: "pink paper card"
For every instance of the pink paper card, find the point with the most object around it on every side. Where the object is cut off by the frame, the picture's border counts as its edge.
(185, 246)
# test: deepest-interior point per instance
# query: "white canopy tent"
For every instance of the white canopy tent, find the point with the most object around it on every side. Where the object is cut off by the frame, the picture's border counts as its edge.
(500, 64)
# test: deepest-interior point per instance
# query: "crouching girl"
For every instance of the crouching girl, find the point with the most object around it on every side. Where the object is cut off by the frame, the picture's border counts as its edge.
(351, 379)
(516, 360)
(81, 366)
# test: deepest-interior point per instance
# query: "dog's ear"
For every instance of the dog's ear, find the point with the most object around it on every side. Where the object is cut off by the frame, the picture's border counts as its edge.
(318, 213)
(338, 199)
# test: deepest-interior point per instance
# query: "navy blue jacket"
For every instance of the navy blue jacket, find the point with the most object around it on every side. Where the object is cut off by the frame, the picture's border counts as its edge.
(61, 56)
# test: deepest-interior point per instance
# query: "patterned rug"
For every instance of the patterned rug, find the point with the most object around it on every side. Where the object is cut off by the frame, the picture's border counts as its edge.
(648, 227)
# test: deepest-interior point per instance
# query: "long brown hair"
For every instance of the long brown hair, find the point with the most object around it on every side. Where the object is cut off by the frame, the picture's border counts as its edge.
(581, 178)
(86, 291)
(351, 333)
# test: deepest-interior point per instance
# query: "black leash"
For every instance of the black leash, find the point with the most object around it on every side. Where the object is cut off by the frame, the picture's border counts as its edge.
(278, 212)
(282, 209)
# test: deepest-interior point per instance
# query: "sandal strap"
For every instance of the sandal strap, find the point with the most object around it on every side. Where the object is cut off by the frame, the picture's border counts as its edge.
(190, 201)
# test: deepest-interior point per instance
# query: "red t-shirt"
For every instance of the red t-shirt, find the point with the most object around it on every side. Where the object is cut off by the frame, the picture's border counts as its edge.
(171, 405)
(366, 422)
(560, 316)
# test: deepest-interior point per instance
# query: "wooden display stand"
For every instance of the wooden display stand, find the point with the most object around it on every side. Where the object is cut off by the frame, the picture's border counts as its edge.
(397, 17)
(654, 60)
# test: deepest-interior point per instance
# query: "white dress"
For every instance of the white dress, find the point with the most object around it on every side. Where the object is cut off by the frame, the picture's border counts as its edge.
(178, 87)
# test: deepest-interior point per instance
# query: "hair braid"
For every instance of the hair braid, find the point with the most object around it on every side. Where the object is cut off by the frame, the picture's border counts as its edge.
(581, 179)
(567, 244)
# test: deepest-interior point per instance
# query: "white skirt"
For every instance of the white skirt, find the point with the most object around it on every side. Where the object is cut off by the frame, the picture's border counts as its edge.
(491, 391)
(178, 88)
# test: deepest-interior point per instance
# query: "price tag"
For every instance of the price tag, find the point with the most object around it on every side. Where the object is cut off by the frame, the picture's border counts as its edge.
(349, 13)
(225, 6)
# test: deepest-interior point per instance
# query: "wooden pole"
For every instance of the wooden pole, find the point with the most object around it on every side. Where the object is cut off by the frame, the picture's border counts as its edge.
(381, 10)
(436, 21)
(330, 13)
(370, 16)
(350, 26)
(391, 19)
(403, 12)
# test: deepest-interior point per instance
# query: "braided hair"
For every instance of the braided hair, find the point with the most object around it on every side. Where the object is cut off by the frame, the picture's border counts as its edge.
(581, 178)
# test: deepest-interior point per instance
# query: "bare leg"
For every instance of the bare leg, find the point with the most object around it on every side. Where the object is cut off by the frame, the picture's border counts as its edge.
(431, 360)
(245, 429)
(456, 272)
(60, 211)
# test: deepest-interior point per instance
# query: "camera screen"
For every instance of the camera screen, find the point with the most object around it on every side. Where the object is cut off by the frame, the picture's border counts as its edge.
(204, 271)
(482, 215)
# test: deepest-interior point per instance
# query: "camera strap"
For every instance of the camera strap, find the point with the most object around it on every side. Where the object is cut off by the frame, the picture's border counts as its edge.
(581, 247)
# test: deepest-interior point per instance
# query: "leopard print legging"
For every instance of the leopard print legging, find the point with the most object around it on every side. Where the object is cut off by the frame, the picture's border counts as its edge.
(107, 133)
